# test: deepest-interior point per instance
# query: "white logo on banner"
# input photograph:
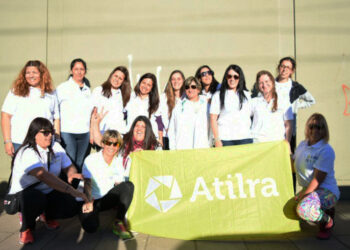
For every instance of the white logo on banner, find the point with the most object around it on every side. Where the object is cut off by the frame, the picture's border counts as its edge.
(152, 199)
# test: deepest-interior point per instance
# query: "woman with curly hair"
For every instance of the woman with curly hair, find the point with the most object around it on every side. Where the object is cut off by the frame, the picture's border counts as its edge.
(112, 96)
(145, 101)
(210, 85)
(31, 96)
(174, 91)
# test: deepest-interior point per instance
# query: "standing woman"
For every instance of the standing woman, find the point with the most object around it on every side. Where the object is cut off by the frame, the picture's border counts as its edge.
(314, 163)
(291, 91)
(230, 110)
(112, 96)
(271, 120)
(174, 90)
(75, 109)
(188, 124)
(209, 84)
(145, 101)
(31, 96)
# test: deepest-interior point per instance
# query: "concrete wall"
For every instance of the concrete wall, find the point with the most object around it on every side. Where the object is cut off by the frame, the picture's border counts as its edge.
(184, 35)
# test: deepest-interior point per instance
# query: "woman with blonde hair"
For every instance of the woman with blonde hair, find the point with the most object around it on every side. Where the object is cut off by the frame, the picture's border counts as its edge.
(31, 96)
(271, 120)
(314, 163)
(174, 91)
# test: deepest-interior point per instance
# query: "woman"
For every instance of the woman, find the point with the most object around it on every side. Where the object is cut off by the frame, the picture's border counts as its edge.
(314, 163)
(145, 101)
(209, 84)
(75, 108)
(40, 160)
(188, 124)
(271, 120)
(105, 186)
(291, 91)
(113, 95)
(140, 137)
(31, 96)
(230, 110)
(174, 90)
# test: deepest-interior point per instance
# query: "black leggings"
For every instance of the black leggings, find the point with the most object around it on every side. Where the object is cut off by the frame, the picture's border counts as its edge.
(119, 196)
(55, 205)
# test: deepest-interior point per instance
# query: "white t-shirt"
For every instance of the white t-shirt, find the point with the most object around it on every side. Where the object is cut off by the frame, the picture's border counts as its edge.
(233, 123)
(137, 106)
(268, 125)
(75, 107)
(283, 90)
(103, 176)
(164, 112)
(25, 109)
(319, 156)
(188, 128)
(27, 160)
(114, 105)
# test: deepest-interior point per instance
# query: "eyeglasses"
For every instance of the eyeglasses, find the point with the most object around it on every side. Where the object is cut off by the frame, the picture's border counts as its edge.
(228, 77)
(209, 72)
(47, 132)
(285, 67)
(191, 86)
(315, 126)
(109, 143)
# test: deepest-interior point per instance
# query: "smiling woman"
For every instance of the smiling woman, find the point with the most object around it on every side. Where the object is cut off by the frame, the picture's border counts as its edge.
(75, 107)
(31, 96)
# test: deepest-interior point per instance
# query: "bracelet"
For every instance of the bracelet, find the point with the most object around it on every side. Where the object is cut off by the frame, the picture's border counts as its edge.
(7, 141)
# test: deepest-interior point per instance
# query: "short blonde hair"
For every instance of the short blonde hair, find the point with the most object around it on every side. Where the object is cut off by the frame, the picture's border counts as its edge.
(191, 79)
(112, 134)
(320, 120)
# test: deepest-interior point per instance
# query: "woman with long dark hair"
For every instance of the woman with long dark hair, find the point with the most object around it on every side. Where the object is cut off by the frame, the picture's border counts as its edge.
(75, 109)
(40, 160)
(145, 101)
(31, 96)
(209, 84)
(113, 96)
(271, 120)
(174, 91)
(314, 163)
(230, 110)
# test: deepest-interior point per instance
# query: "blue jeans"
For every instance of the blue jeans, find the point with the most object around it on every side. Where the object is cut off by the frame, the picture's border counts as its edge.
(76, 146)
(236, 142)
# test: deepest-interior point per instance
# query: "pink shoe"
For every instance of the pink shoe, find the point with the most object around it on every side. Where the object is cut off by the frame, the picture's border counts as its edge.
(50, 224)
(26, 237)
(325, 230)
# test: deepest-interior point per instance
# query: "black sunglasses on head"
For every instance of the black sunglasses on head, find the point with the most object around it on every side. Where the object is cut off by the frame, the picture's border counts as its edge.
(191, 86)
(47, 132)
(109, 143)
(228, 77)
(209, 72)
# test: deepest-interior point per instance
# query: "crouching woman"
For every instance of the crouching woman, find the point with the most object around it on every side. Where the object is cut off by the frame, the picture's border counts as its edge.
(35, 167)
(105, 186)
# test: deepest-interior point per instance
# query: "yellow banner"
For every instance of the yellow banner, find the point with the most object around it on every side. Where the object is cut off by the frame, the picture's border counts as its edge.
(216, 193)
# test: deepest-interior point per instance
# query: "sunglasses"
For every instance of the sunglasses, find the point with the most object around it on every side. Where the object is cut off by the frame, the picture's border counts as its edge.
(47, 132)
(315, 126)
(209, 72)
(109, 143)
(228, 77)
(191, 86)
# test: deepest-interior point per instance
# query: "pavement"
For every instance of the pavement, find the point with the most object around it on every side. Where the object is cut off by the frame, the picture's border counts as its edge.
(71, 236)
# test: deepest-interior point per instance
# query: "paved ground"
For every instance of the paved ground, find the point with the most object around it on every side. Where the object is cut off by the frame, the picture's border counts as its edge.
(70, 236)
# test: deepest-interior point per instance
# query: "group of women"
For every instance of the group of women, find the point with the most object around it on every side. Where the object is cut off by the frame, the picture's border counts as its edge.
(193, 112)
